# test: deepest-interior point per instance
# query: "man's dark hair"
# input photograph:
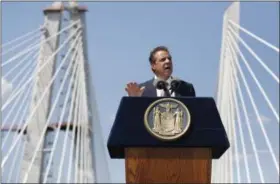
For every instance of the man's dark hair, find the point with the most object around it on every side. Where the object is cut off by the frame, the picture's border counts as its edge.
(154, 51)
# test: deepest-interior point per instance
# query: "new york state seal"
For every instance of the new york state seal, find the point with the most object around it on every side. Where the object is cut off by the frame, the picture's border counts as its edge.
(167, 119)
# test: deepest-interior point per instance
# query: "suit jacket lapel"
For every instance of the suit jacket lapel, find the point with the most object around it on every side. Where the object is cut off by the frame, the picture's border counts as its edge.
(152, 89)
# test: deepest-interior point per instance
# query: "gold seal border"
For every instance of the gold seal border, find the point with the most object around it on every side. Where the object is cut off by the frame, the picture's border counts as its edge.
(163, 137)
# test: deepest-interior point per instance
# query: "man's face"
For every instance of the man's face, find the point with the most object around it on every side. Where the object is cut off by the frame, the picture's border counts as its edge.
(162, 65)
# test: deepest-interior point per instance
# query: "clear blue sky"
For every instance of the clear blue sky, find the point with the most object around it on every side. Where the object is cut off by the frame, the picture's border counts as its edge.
(121, 35)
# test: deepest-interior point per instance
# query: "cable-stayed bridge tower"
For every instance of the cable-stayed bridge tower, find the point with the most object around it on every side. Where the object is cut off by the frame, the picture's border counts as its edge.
(59, 120)
(245, 104)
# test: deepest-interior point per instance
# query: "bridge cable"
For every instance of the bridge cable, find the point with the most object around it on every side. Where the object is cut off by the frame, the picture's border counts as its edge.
(17, 114)
(18, 64)
(39, 44)
(51, 112)
(254, 36)
(23, 36)
(257, 113)
(244, 152)
(256, 110)
(24, 101)
(40, 100)
(255, 56)
(70, 119)
(76, 125)
(39, 69)
(23, 78)
(21, 43)
(259, 85)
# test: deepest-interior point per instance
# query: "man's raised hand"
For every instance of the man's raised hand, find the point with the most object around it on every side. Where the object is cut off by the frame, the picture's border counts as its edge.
(133, 89)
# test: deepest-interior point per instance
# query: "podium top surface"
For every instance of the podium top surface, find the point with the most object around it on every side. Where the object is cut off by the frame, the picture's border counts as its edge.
(206, 129)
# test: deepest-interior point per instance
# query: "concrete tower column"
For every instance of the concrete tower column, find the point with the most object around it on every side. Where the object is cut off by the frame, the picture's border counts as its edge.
(95, 140)
(38, 121)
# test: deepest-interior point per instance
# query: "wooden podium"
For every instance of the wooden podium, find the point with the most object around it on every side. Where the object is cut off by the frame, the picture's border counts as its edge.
(151, 160)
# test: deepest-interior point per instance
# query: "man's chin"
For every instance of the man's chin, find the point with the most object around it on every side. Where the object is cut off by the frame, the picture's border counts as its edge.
(166, 75)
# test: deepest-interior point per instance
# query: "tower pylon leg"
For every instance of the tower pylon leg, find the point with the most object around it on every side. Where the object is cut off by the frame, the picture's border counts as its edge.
(41, 80)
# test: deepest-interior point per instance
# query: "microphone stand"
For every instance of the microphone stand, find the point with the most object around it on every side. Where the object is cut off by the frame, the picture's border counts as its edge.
(166, 91)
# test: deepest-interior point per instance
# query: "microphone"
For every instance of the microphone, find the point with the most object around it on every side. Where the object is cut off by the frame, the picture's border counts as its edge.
(160, 84)
(175, 83)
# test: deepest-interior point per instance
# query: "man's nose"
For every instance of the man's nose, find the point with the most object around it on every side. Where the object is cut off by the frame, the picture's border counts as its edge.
(167, 60)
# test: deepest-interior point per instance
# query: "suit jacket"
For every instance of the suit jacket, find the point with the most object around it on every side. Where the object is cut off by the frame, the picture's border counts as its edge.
(185, 89)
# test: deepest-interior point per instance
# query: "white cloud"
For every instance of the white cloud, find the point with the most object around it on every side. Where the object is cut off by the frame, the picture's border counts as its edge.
(265, 119)
(6, 89)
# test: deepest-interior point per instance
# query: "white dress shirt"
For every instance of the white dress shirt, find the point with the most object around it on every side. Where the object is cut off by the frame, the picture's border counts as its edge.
(160, 92)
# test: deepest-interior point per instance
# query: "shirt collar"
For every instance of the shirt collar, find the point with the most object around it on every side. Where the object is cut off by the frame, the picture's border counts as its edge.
(168, 80)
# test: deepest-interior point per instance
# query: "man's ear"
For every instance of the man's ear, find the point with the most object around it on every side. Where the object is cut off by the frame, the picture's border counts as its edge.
(153, 67)
(152, 70)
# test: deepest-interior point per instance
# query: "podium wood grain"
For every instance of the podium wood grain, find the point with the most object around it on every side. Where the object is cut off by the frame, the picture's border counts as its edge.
(168, 165)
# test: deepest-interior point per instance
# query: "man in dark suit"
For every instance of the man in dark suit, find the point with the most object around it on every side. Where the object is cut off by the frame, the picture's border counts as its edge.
(161, 65)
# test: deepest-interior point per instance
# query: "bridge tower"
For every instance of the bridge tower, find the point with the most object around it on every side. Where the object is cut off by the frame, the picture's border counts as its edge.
(39, 119)
(88, 151)
(223, 168)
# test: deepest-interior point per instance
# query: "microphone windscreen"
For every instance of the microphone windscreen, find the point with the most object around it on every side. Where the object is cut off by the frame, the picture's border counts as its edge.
(175, 82)
(159, 84)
